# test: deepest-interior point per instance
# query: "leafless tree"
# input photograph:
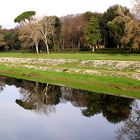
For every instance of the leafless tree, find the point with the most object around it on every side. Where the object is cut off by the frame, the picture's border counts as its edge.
(30, 35)
(72, 31)
(37, 99)
(131, 127)
(47, 30)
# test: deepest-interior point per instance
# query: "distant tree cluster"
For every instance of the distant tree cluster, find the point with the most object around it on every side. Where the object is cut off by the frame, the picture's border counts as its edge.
(118, 27)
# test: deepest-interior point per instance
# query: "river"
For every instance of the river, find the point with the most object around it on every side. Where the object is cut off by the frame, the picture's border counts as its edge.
(39, 111)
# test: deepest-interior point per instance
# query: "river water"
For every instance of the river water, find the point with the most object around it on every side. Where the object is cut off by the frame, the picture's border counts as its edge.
(39, 111)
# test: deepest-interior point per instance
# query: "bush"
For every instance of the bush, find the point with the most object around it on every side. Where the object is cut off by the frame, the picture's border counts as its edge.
(113, 50)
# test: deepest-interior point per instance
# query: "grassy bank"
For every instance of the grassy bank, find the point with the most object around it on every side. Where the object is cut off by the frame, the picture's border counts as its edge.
(81, 56)
(124, 80)
(101, 84)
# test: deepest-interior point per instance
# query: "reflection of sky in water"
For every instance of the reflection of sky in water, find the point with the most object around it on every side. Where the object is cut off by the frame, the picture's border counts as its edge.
(67, 123)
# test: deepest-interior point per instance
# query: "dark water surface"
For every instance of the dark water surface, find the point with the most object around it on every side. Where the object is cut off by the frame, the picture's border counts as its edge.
(36, 111)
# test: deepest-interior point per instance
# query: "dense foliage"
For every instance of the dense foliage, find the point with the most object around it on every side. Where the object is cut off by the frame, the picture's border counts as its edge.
(25, 16)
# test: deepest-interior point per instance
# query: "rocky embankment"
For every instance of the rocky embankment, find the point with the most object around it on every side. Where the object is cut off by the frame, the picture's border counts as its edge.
(129, 69)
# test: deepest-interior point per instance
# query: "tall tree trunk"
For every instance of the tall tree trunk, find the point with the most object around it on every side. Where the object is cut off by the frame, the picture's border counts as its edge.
(63, 45)
(47, 46)
(36, 47)
(53, 40)
(79, 43)
(104, 42)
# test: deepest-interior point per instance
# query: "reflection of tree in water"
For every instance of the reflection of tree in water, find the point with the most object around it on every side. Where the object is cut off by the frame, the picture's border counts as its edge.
(39, 97)
(75, 96)
(2, 83)
(131, 127)
(115, 109)
(42, 98)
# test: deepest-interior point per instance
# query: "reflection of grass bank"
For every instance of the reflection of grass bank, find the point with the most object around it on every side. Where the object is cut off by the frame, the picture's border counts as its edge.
(101, 84)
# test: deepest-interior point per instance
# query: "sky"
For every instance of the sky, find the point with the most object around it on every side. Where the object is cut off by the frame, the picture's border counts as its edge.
(12, 8)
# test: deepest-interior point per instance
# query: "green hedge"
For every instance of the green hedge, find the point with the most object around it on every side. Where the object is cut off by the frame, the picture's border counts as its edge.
(113, 50)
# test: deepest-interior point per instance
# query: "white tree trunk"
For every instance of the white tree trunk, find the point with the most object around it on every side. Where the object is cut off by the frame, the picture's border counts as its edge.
(93, 49)
(36, 46)
(47, 46)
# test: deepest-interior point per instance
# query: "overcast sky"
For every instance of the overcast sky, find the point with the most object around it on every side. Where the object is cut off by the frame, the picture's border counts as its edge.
(9, 9)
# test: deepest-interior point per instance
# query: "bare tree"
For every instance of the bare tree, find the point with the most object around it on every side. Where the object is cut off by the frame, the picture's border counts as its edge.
(47, 30)
(30, 35)
(131, 127)
(72, 31)
(37, 98)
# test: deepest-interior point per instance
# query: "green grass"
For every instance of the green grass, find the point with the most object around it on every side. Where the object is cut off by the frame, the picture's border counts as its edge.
(100, 84)
(81, 56)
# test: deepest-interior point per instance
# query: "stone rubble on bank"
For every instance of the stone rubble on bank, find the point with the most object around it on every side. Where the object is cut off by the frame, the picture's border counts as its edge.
(113, 68)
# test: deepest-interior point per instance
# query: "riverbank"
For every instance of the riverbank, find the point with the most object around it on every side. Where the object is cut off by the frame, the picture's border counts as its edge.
(128, 69)
(102, 76)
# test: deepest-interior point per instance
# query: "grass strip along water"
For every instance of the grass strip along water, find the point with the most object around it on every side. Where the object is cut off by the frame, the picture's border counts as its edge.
(121, 86)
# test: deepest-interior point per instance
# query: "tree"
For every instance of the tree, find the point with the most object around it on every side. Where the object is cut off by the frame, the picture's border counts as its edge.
(24, 17)
(114, 31)
(2, 43)
(88, 15)
(117, 29)
(72, 31)
(30, 34)
(56, 37)
(132, 28)
(11, 39)
(92, 32)
(29, 30)
(107, 28)
(47, 30)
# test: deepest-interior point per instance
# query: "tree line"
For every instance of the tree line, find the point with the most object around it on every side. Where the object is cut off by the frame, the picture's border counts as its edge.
(118, 27)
